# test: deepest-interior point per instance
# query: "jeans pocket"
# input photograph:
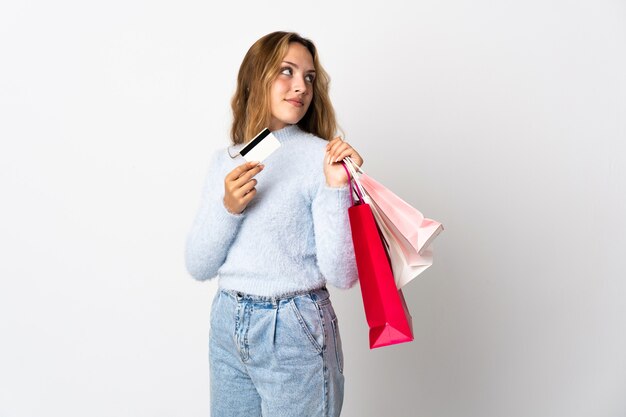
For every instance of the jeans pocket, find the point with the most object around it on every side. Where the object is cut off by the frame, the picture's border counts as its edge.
(338, 347)
(309, 317)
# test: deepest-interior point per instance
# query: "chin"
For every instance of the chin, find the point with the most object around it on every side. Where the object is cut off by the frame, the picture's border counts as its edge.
(291, 117)
(291, 120)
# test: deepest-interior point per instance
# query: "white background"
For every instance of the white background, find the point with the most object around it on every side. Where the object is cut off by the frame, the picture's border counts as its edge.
(503, 120)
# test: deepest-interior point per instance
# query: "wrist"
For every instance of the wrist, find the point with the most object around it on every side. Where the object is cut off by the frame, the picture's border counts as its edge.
(336, 184)
(229, 210)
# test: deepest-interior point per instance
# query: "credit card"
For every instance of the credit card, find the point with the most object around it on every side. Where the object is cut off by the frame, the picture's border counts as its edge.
(260, 147)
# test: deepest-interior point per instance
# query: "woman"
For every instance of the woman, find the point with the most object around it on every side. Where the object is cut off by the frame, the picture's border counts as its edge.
(276, 233)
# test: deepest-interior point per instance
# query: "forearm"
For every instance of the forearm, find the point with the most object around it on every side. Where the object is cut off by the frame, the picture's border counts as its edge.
(333, 237)
(209, 240)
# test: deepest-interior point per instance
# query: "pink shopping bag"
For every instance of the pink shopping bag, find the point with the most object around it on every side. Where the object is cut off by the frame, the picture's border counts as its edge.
(414, 230)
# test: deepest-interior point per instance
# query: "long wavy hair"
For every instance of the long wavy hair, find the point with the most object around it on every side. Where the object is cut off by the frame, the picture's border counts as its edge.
(258, 70)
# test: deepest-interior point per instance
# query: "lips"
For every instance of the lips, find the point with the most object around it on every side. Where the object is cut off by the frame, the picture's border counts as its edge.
(295, 102)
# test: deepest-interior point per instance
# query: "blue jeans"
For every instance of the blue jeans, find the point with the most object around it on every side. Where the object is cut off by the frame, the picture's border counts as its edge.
(275, 357)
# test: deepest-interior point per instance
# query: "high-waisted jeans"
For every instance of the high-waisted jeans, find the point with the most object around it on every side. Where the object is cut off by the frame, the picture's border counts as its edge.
(278, 357)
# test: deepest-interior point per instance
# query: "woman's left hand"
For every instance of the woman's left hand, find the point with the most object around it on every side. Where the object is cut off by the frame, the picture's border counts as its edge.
(334, 171)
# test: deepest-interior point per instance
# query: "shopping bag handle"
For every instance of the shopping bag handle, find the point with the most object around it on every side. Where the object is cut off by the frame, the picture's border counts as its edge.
(354, 165)
(353, 185)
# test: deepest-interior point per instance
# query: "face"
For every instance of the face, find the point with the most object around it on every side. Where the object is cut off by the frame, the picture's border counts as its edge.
(292, 90)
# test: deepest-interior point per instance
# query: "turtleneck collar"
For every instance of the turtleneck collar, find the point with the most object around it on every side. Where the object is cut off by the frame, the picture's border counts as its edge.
(287, 133)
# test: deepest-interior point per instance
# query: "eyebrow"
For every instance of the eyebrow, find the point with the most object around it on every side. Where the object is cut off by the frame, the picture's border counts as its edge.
(291, 63)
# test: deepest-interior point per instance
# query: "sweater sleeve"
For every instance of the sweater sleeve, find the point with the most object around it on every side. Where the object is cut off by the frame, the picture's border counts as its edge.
(214, 227)
(333, 236)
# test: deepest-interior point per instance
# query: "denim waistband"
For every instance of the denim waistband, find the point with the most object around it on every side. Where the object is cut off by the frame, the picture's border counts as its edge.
(319, 294)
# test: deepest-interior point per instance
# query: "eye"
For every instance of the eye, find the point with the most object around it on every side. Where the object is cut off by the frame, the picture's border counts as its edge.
(310, 78)
(285, 70)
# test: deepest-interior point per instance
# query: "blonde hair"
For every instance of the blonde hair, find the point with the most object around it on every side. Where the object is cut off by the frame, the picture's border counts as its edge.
(260, 67)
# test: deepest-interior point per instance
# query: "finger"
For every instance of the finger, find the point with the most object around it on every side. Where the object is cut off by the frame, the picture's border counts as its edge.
(238, 171)
(245, 177)
(249, 196)
(338, 150)
(243, 173)
(245, 188)
(348, 152)
(334, 143)
(356, 158)
(241, 169)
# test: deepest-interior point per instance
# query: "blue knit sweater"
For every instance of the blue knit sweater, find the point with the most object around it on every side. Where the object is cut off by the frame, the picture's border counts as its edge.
(293, 236)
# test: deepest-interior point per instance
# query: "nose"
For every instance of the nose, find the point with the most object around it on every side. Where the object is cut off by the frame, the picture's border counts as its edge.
(300, 86)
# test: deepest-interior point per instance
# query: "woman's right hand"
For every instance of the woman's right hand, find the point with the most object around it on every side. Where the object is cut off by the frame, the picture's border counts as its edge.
(239, 186)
